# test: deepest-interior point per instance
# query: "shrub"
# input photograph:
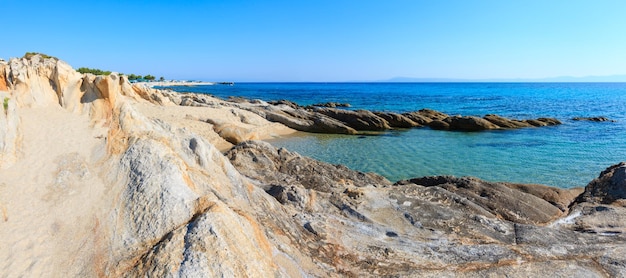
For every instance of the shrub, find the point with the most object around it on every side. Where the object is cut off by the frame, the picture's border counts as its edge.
(93, 71)
(29, 55)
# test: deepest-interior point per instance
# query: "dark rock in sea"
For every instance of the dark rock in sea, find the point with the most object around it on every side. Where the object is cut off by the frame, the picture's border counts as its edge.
(543, 122)
(593, 119)
(359, 119)
(236, 99)
(340, 121)
(397, 120)
(303, 120)
(439, 125)
(332, 104)
(469, 123)
(425, 116)
(285, 102)
(504, 122)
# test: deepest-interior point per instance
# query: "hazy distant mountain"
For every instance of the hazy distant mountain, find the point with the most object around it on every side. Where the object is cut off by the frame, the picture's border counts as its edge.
(608, 78)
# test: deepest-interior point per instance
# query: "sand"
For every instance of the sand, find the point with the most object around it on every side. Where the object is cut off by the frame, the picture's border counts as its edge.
(52, 195)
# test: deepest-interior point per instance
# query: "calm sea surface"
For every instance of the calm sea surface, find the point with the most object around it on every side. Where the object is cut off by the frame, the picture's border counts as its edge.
(565, 156)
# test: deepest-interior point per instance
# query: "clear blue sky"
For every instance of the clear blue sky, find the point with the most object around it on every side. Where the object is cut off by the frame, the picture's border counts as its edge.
(337, 40)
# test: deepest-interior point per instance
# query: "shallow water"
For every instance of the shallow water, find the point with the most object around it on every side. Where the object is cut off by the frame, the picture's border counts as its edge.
(565, 156)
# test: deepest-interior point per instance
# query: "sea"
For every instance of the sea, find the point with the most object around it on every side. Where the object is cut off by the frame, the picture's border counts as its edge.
(565, 156)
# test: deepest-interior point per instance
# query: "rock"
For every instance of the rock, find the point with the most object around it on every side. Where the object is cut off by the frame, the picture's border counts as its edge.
(285, 102)
(233, 133)
(306, 121)
(439, 125)
(608, 188)
(543, 122)
(497, 198)
(504, 122)
(359, 120)
(259, 160)
(593, 119)
(558, 197)
(332, 104)
(432, 114)
(469, 123)
(397, 120)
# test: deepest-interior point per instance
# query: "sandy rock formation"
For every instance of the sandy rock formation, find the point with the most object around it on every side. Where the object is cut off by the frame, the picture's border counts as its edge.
(134, 185)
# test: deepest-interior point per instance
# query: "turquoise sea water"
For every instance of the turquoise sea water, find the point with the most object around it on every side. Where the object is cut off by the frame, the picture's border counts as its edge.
(568, 155)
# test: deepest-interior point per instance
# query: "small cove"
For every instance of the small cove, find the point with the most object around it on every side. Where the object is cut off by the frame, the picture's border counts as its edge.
(568, 155)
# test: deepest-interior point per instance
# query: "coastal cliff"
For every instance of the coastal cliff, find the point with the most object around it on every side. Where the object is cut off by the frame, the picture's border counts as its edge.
(99, 177)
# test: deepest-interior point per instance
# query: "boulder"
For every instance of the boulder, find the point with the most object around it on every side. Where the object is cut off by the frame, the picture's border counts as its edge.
(261, 161)
(303, 120)
(332, 104)
(285, 102)
(558, 197)
(593, 119)
(539, 122)
(396, 120)
(469, 123)
(609, 187)
(359, 120)
(504, 122)
(439, 125)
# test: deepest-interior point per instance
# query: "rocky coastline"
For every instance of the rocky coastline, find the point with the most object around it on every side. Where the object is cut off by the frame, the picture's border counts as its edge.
(327, 118)
(100, 177)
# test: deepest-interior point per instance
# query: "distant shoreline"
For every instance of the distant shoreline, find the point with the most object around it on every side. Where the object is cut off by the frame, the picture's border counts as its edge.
(173, 83)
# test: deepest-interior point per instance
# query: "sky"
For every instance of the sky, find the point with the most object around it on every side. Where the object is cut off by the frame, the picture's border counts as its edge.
(324, 41)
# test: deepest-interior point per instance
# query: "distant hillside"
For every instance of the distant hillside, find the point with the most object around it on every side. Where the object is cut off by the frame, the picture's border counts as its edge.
(608, 78)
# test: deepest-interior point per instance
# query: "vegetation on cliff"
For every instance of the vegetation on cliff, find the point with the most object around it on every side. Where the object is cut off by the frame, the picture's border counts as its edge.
(29, 55)
(93, 71)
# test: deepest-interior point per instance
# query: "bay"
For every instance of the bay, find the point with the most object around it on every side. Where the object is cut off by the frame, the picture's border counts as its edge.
(568, 155)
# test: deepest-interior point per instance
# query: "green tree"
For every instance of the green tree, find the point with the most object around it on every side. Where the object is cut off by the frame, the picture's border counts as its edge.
(93, 71)
(149, 77)
(133, 77)
(161, 79)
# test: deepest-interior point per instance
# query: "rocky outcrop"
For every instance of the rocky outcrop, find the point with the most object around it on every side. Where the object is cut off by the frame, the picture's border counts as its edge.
(593, 119)
(397, 120)
(333, 120)
(498, 199)
(148, 198)
(608, 188)
(459, 226)
(332, 104)
(361, 120)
